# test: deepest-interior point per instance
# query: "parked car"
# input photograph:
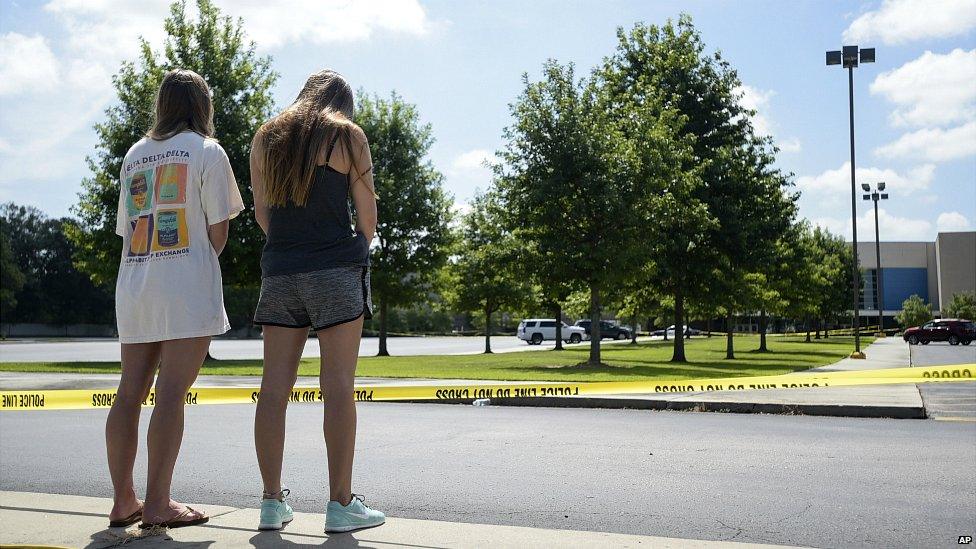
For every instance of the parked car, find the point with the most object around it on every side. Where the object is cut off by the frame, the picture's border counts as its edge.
(689, 331)
(607, 329)
(537, 330)
(953, 330)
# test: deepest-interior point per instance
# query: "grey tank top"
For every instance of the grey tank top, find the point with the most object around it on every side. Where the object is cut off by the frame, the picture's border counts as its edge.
(318, 235)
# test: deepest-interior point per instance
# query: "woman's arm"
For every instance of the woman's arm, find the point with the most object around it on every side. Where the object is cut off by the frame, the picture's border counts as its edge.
(362, 189)
(257, 182)
(218, 235)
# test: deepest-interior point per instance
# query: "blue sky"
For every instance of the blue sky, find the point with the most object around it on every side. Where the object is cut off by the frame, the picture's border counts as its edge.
(461, 63)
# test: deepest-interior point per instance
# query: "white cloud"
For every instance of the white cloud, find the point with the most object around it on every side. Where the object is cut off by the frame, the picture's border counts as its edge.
(468, 173)
(900, 21)
(834, 186)
(951, 221)
(933, 90)
(933, 144)
(791, 145)
(110, 27)
(26, 64)
(472, 160)
(758, 100)
(890, 227)
(272, 24)
(45, 134)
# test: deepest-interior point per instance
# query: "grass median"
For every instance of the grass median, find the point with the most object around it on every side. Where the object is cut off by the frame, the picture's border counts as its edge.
(625, 362)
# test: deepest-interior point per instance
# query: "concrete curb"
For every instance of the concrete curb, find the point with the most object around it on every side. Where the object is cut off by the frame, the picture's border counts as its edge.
(619, 403)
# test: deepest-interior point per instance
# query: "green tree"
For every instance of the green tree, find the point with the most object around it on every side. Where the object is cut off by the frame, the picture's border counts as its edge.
(484, 273)
(53, 291)
(837, 262)
(11, 278)
(739, 194)
(963, 305)
(561, 177)
(215, 47)
(802, 276)
(413, 233)
(914, 312)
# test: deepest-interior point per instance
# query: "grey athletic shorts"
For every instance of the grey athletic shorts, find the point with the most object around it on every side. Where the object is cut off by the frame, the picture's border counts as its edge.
(320, 299)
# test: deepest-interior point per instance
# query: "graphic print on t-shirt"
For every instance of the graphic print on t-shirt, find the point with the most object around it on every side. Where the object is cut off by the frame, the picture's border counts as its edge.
(171, 184)
(139, 197)
(171, 230)
(155, 201)
(142, 230)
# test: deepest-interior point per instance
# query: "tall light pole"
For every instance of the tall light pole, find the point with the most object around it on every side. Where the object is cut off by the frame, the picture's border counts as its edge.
(875, 196)
(848, 57)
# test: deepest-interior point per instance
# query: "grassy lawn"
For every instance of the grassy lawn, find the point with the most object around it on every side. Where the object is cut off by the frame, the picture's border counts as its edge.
(627, 362)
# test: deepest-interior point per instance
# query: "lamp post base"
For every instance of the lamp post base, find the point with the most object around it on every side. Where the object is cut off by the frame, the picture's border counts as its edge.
(858, 355)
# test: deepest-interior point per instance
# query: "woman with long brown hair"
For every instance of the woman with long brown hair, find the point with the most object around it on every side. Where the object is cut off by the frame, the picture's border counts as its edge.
(306, 164)
(177, 196)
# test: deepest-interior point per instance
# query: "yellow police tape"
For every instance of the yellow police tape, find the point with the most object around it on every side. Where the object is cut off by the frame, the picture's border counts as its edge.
(78, 399)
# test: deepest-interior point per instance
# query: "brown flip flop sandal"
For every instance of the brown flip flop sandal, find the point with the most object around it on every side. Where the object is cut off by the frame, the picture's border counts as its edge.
(175, 522)
(127, 521)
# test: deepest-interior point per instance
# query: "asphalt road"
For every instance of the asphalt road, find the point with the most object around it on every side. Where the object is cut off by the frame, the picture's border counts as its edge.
(104, 350)
(797, 480)
(946, 400)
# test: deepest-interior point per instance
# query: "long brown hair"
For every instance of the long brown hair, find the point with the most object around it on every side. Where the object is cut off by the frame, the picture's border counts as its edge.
(293, 140)
(182, 103)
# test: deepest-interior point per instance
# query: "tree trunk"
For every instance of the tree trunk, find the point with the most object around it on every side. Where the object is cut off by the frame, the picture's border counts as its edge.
(633, 330)
(594, 324)
(762, 331)
(817, 334)
(729, 346)
(383, 312)
(708, 327)
(826, 335)
(806, 321)
(679, 327)
(559, 328)
(488, 332)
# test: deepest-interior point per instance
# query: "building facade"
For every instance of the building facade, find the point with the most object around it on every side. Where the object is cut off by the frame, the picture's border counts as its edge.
(932, 270)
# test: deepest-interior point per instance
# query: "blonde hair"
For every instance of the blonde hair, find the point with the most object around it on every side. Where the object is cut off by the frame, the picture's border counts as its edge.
(321, 114)
(182, 103)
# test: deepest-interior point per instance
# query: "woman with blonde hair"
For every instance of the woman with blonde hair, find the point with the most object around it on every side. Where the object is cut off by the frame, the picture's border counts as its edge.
(177, 196)
(306, 163)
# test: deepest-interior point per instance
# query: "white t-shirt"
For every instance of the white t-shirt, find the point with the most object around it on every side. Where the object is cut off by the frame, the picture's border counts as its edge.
(169, 284)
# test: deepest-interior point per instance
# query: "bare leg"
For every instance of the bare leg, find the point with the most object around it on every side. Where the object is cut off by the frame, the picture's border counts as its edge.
(139, 363)
(340, 351)
(180, 364)
(282, 351)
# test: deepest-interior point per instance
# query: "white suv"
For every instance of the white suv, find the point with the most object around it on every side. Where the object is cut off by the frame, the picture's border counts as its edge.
(537, 330)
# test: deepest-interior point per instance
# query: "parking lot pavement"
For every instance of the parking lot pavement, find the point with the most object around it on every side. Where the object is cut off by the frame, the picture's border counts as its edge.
(946, 401)
(108, 350)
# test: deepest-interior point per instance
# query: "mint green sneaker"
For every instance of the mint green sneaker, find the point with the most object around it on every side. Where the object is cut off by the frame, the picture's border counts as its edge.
(275, 513)
(355, 516)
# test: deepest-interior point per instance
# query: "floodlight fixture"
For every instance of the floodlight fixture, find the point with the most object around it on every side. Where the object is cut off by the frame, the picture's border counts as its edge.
(866, 187)
(881, 185)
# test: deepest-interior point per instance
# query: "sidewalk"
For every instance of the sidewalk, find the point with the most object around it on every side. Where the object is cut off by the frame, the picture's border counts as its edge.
(890, 401)
(77, 521)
